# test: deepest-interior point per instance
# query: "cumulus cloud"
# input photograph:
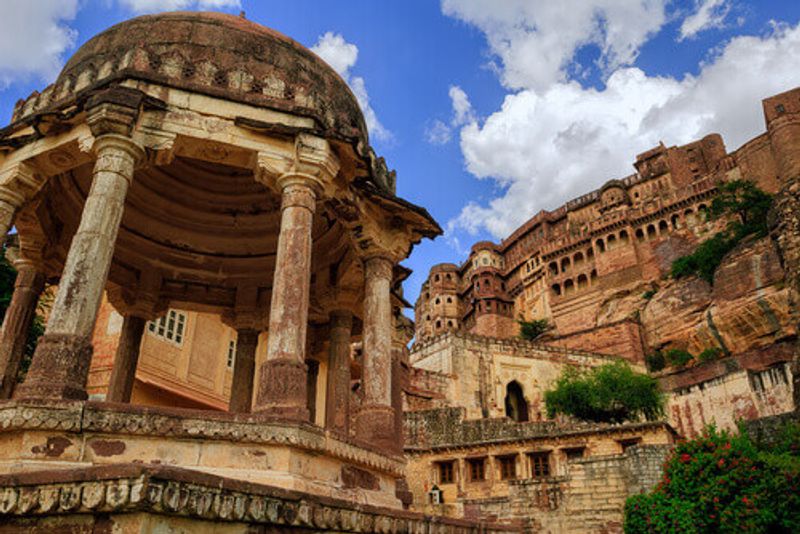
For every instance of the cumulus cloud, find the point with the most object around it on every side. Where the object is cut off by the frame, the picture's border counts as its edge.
(151, 6)
(440, 132)
(536, 39)
(544, 147)
(708, 14)
(34, 37)
(342, 57)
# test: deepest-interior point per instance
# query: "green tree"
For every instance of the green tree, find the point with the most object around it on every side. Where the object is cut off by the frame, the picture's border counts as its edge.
(679, 357)
(531, 330)
(723, 482)
(747, 207)
(611, 393)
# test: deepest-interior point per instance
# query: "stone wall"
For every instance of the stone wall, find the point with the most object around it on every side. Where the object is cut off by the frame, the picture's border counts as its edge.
(481, 368)
(622, 338)
(746, 387)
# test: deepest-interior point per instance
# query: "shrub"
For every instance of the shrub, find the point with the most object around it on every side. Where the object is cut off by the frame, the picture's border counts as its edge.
(721, 482)
(709, 354)
(531, 330)
(679, 357)
(747, 205)
(655, 361)
(611, 393)
(650, 293)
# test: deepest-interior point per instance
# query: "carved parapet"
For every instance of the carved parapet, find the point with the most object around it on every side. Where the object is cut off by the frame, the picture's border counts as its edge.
(168, 491)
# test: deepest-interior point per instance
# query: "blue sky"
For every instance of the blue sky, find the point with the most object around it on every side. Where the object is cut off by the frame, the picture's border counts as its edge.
(491, 110)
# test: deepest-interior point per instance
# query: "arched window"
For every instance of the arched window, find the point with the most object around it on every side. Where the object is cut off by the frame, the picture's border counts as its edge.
(436, 278)
(675, 220)
(663, 226)
(569, 287)
(565, 264)
(600, 245)
(623, 236)
(438, 301)
(448, 277)
(557, 290)
(593, 276)
(438, 325)
(577, 260)
(583, 282)
(590, 253)
(651, 231)
(639, 234)
(450, 324)
(611, 241)
(516, 405)
(449, 300)
(553, 267)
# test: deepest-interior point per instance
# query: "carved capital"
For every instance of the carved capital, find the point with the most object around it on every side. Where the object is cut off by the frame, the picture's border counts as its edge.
(311, 160)
(297, 191)
(117, 154)
(114, 111)
(18, 182)
(378, 266)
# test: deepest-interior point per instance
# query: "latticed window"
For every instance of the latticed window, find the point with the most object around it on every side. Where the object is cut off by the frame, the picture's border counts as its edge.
(170, 327)
(446, 472)
(540, 464)
(508, 467)
(476, 467)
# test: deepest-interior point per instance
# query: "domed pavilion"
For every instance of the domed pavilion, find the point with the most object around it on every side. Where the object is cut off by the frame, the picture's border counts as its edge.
(204, 162)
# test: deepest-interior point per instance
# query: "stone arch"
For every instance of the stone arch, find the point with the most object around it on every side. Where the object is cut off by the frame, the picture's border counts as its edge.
(553, 267)
(569, 287)
(593, 276)
(516, 405)
(639, 234)
(578, 259)
(583, 282)
(675, 221)
(663, 226)
(601, 246)
(556, 290)
(565, 264)
(623, 236)
(651, 231)
(589, 253)
(611, 241)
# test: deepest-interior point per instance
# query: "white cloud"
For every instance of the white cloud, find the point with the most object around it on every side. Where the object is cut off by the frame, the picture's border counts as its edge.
(708, 14)
(151, 6)
(536, 39)
(33, 38)
(342, 57)
(440, 132)
(548, 146)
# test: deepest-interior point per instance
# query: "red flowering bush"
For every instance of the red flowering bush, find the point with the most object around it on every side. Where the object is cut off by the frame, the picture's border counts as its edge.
(722, 482)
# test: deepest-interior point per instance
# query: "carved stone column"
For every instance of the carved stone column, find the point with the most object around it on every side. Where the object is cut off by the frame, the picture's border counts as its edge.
(244, 371)
(19, 315)
(61, 362)
(126, 359)
(282, 389)
(375, 420)
(337, 410)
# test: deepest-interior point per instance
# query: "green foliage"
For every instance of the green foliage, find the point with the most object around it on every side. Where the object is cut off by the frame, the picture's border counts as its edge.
(655, 361)
(679, 357)
(650, 293)
(747, 205)
(531, 330)
(721, 482)
(709, 354)
(611, 393)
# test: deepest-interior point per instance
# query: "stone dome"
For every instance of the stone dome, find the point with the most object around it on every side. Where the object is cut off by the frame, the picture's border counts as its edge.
(217, 54)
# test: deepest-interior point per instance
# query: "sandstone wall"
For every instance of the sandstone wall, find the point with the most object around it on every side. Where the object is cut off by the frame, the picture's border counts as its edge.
(480, 369)
(622, 338)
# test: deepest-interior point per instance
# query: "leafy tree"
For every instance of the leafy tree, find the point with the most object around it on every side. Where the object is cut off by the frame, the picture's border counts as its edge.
(679, 357)
(709, 354)
(723, 482)
(611, 393)
(655, 361)
(531, 330)
(747, 206)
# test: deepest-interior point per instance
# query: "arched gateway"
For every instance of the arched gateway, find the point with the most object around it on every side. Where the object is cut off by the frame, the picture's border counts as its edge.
(203, 162)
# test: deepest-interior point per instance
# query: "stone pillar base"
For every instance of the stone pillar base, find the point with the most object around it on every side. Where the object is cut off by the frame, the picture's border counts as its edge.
(282, 390)
(59, 369)
(375, 425)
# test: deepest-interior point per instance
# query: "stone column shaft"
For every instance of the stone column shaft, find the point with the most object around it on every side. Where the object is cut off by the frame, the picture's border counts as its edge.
(126, 359)
(61, 363)
(375, 422)
(7, 212)
(337, 401)
(282, 389)
(244, 371)
(17, 322)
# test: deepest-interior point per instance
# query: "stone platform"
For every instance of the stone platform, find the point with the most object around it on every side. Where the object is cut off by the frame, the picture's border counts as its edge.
(139, 498)
(50, 435)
